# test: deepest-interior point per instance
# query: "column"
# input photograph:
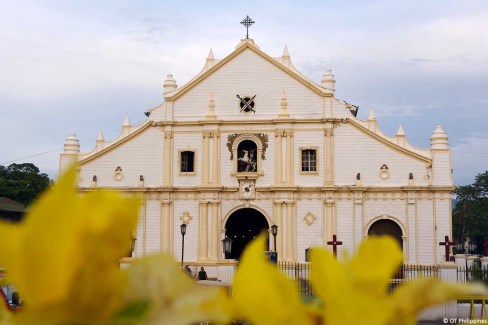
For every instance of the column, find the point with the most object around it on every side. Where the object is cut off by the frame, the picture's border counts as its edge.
(167, 158)
(214, 232)
(281, 229)
(289, 158)
(205, 159)
(329, 222)
(203, 232)
(412, 242)
(278, 158)
(289, 232)
(329, 156)
(359, 225)
(166, 227)
(215, 158)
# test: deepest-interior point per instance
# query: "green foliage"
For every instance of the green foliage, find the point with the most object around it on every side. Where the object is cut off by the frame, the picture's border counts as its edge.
(478, 273)
(472, 201)
(22, 182)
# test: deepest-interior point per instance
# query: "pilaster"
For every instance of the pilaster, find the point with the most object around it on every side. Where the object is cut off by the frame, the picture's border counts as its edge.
(214, 232)
(215, 136)
(278, 157)
(290, 232)
(203, 232)
(289, 162)
(329, 217)
(279, 222)
(329, 156)
(358, 210)
(206, 158)
(166, 231)
(412, 225)
(168, 158)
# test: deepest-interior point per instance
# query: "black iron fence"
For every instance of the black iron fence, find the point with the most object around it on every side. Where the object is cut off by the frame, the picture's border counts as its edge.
(473, 273)
(300, 273)
(408, 273)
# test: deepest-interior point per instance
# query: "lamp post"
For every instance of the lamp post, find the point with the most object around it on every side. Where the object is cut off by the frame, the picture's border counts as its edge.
(183, 233)
(226, 246)
(274, 231)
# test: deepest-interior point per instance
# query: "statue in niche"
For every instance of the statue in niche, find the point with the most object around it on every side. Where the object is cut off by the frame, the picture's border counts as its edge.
(247, 153)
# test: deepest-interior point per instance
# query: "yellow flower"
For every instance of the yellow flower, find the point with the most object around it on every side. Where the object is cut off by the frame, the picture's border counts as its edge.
(63, 258)
(264, 295)
(355, 292)
(349, 292)
(169, 296)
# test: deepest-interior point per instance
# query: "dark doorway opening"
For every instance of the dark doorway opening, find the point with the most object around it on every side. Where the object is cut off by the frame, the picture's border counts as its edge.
(387, 227)
(243, 226)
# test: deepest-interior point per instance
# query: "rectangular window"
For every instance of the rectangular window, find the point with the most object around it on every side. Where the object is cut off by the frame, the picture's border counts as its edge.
(309, 160)
(187, 161)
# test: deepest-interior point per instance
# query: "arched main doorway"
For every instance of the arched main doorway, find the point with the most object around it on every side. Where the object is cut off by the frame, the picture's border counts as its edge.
(387, 227)
(242, 226)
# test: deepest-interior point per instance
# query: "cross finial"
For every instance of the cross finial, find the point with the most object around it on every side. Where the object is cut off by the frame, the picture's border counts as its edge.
(247, 22)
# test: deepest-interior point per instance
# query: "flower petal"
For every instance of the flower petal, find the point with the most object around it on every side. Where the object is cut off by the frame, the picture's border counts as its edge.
(264, 295)
(343, 301)
(410, 298)
(173, 297)
(376, 262)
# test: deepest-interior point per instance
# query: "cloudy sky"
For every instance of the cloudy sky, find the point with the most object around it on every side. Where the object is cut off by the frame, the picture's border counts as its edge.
(80, 66)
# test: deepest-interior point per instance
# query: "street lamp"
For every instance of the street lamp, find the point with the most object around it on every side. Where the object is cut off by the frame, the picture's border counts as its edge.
(183, 233)
(274, 231)
(226, 246)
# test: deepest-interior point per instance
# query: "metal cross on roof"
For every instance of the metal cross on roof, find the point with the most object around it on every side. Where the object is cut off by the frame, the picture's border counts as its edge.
(247, 22)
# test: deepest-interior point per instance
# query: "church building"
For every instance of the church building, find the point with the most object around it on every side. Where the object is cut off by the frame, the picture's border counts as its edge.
(249, 143)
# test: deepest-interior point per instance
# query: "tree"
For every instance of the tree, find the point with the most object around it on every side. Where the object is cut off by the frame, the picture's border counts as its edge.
(22, 182)
(470, 215)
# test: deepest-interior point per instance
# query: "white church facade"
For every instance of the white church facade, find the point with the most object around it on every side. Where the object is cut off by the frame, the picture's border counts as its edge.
(249, 143)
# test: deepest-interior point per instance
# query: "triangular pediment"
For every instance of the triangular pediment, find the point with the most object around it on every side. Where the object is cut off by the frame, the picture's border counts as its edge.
(246, 45)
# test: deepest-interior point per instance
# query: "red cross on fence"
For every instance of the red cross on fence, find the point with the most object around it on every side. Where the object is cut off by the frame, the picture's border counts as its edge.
(447, 243)
(334, 244)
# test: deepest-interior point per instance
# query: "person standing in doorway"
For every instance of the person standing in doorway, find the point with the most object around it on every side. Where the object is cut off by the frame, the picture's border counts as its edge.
(202, 275)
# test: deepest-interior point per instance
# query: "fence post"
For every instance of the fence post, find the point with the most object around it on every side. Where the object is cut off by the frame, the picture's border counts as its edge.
(226, 273)
(484, 261)
(461, 263)
(470, 261)
(460, 260)
(448, 273)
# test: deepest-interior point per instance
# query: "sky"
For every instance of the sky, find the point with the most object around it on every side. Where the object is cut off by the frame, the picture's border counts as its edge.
(80, 66)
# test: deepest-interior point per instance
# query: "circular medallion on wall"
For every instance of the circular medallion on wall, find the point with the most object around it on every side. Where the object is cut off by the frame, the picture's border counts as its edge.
(384, 172)
(118, 175)
(246, 103)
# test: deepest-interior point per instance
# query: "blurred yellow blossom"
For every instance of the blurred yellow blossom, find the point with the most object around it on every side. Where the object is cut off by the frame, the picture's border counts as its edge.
(171, 297)
(355, 291)
(63, 258)
(264, 295)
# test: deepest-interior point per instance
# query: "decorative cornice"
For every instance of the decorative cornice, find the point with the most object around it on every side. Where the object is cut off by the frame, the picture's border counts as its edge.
(115, 144)
(388, 142)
